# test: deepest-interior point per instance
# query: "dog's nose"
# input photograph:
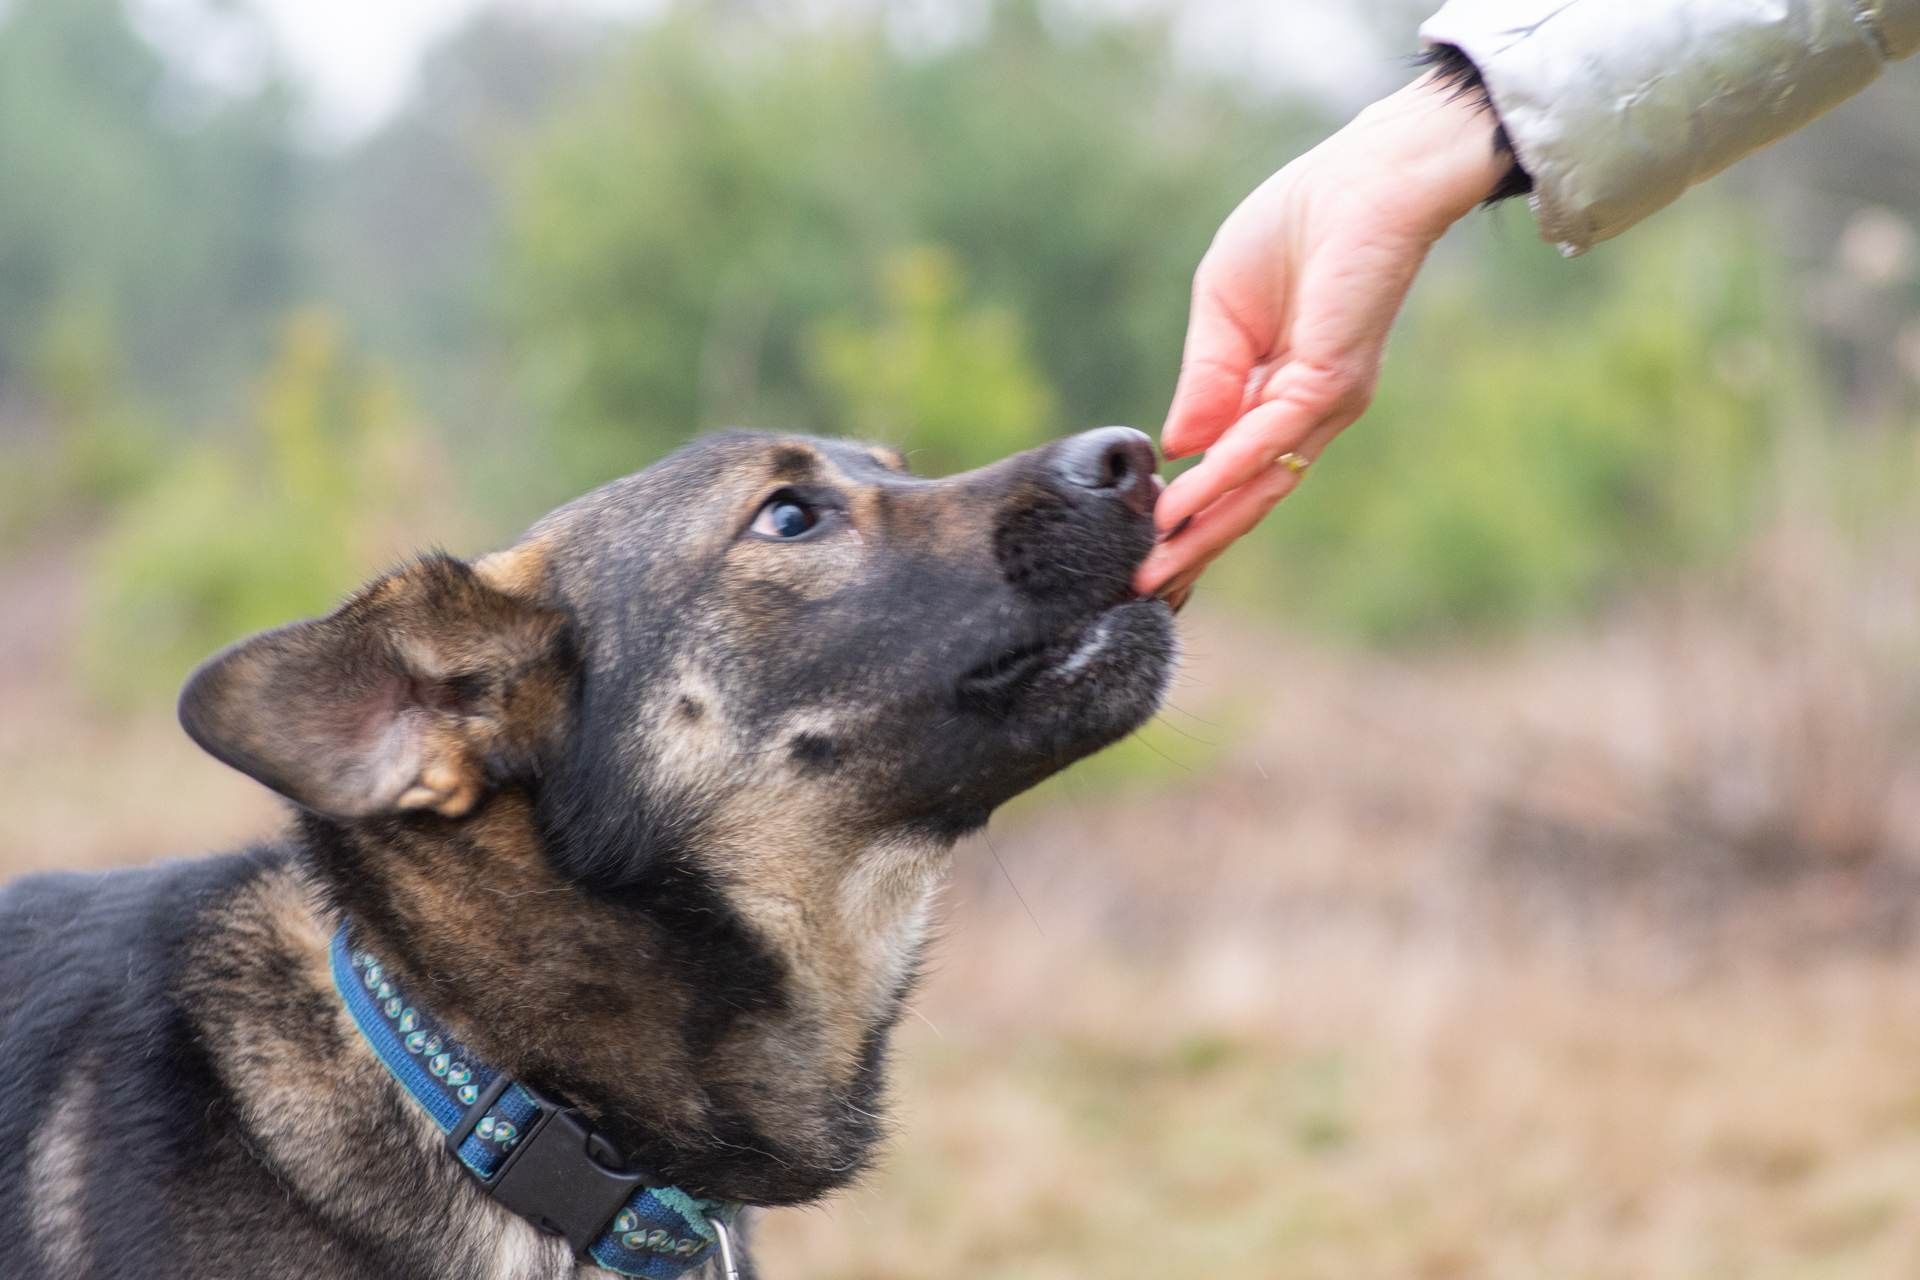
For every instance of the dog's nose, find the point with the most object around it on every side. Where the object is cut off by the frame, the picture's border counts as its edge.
(1115, 462)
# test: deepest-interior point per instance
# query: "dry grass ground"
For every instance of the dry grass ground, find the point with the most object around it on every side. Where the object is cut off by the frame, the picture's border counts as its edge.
(1590, 958)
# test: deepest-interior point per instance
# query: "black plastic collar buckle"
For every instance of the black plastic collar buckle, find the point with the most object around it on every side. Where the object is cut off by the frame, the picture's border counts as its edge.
(561, 1176)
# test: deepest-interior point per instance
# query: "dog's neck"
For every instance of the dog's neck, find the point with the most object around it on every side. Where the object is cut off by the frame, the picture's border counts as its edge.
(710, 1050)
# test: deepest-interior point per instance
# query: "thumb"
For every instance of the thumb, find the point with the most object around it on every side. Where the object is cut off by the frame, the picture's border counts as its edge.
(1219, 357)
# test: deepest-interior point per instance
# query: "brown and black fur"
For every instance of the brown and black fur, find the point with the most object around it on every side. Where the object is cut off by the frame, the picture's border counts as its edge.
(648, 809)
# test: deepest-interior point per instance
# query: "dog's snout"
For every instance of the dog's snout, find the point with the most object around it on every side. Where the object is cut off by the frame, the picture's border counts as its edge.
(1114, 462)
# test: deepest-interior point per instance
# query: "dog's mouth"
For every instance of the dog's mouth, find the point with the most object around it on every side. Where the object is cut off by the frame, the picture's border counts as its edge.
(1077, 652)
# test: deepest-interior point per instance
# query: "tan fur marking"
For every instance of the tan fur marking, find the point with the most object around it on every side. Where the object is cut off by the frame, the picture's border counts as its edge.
(885, 903)
(846, 919)
(519, 570)
(449, 785)
(57, 1163)
(689, 752)
(388, 590)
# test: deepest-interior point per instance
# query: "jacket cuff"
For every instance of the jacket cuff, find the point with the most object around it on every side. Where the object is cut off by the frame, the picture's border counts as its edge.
(1614, 109)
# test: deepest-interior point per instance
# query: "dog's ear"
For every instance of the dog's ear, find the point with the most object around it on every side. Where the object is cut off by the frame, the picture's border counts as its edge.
(426, 688)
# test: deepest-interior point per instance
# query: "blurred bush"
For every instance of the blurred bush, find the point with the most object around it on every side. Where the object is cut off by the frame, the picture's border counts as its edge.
(692, 246)
(933, 373)
(1527, 456)
(139, 196)
(328, 480)
(99, 443)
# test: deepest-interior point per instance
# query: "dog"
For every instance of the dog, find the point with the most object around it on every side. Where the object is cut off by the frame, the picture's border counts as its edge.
(609, 869)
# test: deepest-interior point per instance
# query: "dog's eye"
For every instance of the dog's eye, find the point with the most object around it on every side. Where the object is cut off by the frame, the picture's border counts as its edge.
(784, 516)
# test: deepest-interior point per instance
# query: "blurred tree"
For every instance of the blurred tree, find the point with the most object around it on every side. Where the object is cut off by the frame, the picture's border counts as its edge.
(1078, 172)
(936, 370)
(330, 479)
(155, 205)
(108, 446)
(410, 217)
(739, 184)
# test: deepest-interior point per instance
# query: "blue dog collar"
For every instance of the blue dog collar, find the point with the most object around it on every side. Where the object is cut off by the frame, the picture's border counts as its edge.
(536, 1157)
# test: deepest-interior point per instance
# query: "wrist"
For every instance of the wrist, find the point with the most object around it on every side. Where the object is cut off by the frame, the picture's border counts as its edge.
(1441, 144)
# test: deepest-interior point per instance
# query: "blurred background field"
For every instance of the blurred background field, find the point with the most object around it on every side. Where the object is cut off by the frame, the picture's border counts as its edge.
(1525, 879)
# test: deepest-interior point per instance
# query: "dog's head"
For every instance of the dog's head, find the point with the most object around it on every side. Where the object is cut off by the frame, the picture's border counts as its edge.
(768, 680)
(759, 636)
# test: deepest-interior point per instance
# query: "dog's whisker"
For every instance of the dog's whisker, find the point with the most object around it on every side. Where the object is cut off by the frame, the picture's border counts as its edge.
(999, 862)
(1141, 737)
(930, 1024)
(1170, 705)
(1165, 723)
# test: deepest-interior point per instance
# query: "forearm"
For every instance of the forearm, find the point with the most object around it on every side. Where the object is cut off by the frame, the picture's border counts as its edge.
(1615, 107)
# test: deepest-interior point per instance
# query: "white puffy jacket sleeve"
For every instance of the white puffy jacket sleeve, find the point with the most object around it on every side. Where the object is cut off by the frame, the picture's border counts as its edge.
(1614, 107)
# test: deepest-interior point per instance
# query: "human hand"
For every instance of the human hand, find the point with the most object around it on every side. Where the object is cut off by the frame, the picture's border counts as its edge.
(1291, 308)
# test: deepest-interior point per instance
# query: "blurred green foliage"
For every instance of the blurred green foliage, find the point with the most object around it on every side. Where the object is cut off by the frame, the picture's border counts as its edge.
(108, 444)
(971, 251)
(579, 244)
(103, 446)
(954, 383)
(161, 211)
(1530, 459)
(326, 481)
(692, 245)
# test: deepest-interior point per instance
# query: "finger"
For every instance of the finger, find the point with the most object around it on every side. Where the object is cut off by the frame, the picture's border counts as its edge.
(1306, 399)
(1219, 355)
(1261, 383)
(1212, 530)
(1180, 590)
(1164, 565)
(1160, 572)
(1321, 436)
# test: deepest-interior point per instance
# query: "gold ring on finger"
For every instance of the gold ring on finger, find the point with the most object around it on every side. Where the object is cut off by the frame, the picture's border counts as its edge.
(1294, 462)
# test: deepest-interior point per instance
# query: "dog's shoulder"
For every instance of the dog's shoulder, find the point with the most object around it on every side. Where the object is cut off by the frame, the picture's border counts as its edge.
(99, 1053)
(74, 945)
